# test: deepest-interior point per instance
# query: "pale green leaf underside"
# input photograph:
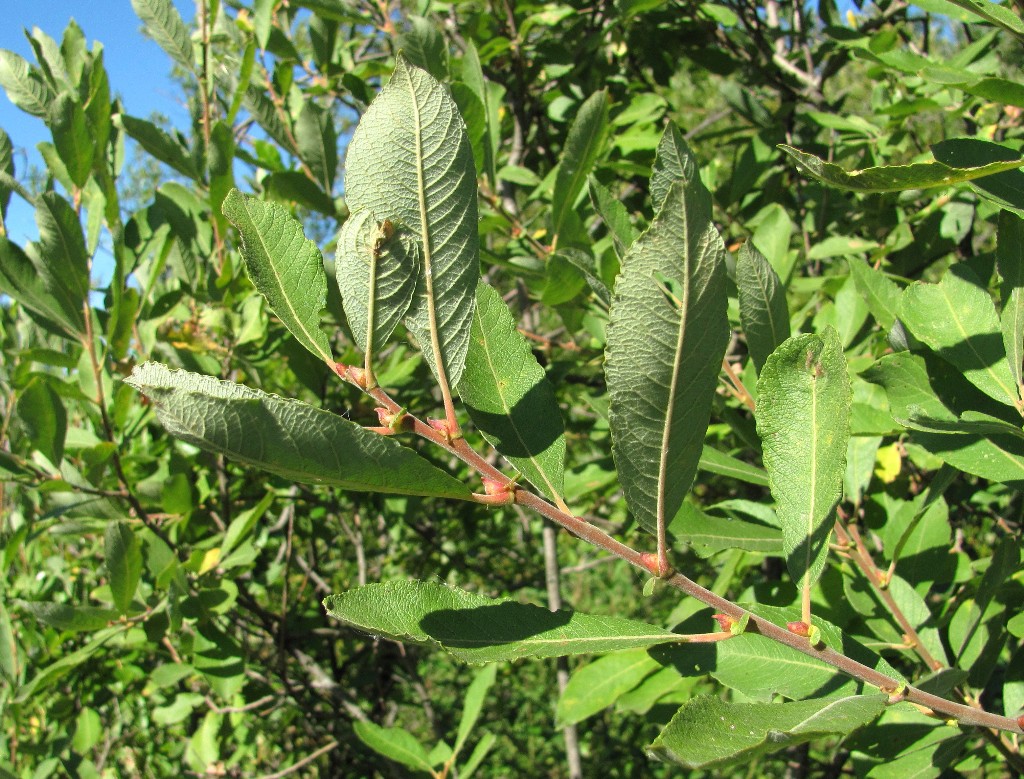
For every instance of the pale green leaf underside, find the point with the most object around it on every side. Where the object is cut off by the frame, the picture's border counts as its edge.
(410, 161)
(371, 266)
(762, 299)
(665, 351)
(509, 397)
(165, 26)
(286, 437)
(709, 733)
(958, 319)
(482, 630)
(803, 419)
(284, 266)
(893, 178)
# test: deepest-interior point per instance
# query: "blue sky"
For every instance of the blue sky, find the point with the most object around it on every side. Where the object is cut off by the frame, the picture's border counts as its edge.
(138, 71)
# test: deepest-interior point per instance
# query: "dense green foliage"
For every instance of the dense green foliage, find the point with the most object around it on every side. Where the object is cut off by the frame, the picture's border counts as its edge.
(737, 286)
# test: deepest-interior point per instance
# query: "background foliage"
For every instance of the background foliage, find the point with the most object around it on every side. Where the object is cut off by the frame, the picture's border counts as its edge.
(161, 605)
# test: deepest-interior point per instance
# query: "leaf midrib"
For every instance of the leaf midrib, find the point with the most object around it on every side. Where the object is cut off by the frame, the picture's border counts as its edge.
(505, 406)
(281, 287)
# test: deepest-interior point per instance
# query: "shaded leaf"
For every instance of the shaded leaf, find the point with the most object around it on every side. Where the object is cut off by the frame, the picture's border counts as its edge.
(22, 281)
(64, 261)
(957, 319)
(318, 143)
(72, 137)
(667, 335)
(395, 744)
(410, 161)
(166, 148)
(66, 616)
(286, 437)
(284, 266)
(615, 216)
(894, 178)
(1010, 260)
(709, 733)
(123, 557)
(509, 398)
(43, 419)
(803, 419)
(583, 144)
(762, 299)
(482, 630)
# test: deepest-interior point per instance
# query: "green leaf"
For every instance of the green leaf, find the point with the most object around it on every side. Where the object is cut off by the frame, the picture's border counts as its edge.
(286, 437)
(664, 354)
(476, 629)
(1010, 260)
(64, 261)
(713, 461)
(167, 149)
(615, 216)
(881, 293)
(72, 137)
(762, 299)
(267, 116)
(395, 744)
(709, 534)
(473, 703)
(894, 178)
(483, 746)
(1006, 189)
(284, 266)
(377, 264)
(65, 616)
(915, 403)
(583, 144)
(318, 143)
(597, 685)
(20, 279)
(425, 47)
(291, 187)
(410, 161)
(68, 662)
(23, 84)
(1001, 16)
(707, 733)
(674, 161)
(164, 25)
(124, 563)
(803, 419)
(43, 419)
(473, 76)
(509, 398)
(957, 319)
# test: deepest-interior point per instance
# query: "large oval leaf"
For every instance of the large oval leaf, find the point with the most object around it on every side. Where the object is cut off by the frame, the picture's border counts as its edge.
(410, 161)
(285, 266)
(666, 339)
(286, 437)
(509, 397)
(803, 418)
